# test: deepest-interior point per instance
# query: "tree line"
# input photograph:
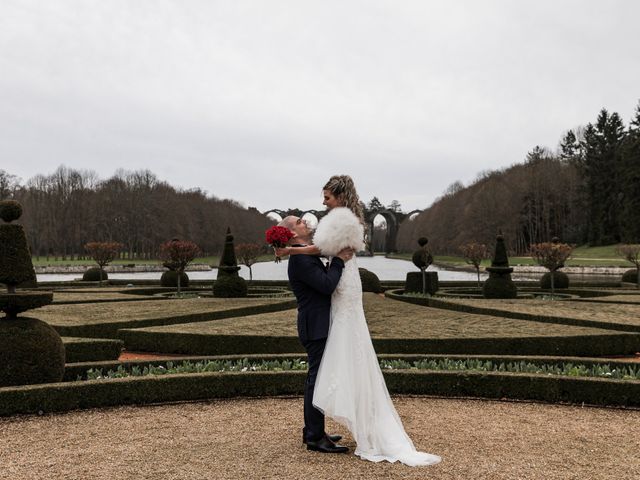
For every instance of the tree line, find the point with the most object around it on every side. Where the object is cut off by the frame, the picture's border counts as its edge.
(69, 208)
(585, 192)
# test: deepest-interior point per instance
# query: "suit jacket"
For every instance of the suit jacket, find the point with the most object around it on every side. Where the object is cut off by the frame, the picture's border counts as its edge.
(312, 284)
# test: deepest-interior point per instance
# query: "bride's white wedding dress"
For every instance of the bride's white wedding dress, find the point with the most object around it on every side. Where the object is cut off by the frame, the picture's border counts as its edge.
(350, 387)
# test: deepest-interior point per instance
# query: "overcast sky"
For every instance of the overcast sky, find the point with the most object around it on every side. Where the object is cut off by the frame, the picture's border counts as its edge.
(261, 101)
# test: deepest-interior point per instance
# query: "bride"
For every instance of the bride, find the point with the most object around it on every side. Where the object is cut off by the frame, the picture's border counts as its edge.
(350, 387)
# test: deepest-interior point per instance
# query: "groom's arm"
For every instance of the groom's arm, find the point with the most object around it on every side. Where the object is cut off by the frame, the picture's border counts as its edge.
(310, 271)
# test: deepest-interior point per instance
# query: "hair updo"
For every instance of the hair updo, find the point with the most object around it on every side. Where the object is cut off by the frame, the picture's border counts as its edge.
(343, 188)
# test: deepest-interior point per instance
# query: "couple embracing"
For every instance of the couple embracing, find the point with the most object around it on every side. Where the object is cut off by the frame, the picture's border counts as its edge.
(344, 380)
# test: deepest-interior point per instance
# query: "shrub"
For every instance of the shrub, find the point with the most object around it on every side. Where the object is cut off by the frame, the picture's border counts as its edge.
(560, 280)
(630, 276)
(414, 282)
(370, 281)
(170, 279)
(499, 287)
(30, 352)
(229, 286)
(95, 274)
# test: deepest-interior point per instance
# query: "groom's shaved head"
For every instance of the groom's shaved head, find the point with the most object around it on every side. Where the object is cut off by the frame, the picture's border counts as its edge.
(302, 232)
(289, 222)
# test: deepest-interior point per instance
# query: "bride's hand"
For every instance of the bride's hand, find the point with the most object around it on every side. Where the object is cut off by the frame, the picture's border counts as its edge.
(345, 254)
(282, 252)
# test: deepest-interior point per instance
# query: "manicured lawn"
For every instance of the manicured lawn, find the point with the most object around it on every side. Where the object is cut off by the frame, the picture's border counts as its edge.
(582, 256)
(391, 319)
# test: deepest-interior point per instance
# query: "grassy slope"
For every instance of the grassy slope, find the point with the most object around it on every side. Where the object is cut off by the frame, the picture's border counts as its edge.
(582, 256)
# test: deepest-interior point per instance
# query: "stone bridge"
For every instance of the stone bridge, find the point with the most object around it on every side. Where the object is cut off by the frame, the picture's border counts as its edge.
(393, 219)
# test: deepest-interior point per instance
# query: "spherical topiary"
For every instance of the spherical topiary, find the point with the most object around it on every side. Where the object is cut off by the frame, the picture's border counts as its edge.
(370, 281)
(229, 286)
(560, 280)
(630, 276)
(10, 210)
(30, 352)
(94, 274)
(170, 279)
(499, 287)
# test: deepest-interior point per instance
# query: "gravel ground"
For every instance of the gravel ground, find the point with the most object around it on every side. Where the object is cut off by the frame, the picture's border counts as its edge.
(260, 439)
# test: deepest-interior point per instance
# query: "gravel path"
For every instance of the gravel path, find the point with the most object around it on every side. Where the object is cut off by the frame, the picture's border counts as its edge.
(259, 439)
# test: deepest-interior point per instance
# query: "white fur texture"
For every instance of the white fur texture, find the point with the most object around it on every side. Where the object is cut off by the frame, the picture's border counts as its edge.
(337, 230)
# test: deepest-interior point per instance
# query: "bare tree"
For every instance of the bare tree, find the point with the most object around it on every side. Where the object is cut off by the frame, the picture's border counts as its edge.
(248, 254)
(103, 253)
(474, 253)
(177, 254)
(551, 255)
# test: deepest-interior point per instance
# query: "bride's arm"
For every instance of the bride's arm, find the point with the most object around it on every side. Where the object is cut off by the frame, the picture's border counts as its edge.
(306, 250)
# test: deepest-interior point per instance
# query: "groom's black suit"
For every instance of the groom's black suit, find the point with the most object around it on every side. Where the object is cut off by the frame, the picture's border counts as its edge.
(313, 283)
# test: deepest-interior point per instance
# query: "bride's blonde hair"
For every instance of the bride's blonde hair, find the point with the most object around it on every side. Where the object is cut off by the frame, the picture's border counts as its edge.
(343, 188)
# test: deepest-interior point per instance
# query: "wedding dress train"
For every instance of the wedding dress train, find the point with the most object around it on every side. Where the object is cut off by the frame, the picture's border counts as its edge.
(350, 387)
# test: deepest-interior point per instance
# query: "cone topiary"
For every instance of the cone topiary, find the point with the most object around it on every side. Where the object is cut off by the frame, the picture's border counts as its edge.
(95, 274)
(30, 350)
(560, 280)
(229, 284)
(170, 279)
(499, 283)
(370, 281)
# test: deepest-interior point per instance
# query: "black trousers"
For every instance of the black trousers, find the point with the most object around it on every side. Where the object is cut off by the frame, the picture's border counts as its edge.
(313, 418)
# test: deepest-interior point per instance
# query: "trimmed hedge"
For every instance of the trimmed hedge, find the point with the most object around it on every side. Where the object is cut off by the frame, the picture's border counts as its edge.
(203, 344)
(172, 388)
(75, 370)
(14, 303)
(414, 282)
(91, 349)
(229, 286)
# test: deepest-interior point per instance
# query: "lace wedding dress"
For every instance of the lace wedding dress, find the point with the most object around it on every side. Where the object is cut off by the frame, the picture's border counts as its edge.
(350, 387)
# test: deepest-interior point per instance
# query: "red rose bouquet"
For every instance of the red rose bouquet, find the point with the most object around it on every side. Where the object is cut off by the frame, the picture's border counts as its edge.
(278, 237)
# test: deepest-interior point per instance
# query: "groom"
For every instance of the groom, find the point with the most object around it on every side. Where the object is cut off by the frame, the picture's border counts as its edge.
(313, 283)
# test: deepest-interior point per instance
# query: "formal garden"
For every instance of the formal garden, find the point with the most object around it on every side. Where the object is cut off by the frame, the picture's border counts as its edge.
(98, 343)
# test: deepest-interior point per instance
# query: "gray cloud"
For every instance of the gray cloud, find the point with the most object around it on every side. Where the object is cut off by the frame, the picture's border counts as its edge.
(263, 101)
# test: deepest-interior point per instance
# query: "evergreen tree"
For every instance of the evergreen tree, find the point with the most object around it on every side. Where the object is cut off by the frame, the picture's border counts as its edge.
(602, 152)
(630, 182)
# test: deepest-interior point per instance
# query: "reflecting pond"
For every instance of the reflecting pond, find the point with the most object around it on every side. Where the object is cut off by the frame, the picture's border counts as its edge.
(384, 268)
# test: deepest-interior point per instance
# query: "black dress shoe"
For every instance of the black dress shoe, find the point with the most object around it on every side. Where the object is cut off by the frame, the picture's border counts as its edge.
(333, 438)
(325, 445)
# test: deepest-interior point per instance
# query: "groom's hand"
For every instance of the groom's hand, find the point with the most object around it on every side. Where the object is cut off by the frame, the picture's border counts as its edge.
(346, 254)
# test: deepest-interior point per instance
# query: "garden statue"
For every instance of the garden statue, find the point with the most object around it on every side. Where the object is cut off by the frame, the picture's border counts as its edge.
(499, 283)
(30, 350)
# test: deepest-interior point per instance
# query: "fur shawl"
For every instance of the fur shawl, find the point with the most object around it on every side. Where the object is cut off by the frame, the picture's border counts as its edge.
(337, 230)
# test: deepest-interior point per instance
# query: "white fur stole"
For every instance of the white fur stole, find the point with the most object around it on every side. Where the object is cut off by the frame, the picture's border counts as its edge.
(339, 229)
